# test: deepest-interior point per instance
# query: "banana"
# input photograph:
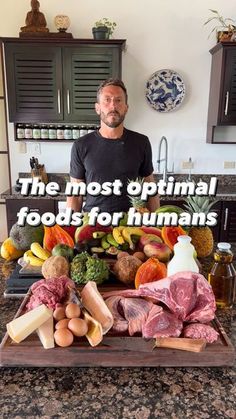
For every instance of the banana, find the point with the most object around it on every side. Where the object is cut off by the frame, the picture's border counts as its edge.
(111, 240)
(117, 234)
(127, 232)
(104, 243)
(31, 259)
(38, 251)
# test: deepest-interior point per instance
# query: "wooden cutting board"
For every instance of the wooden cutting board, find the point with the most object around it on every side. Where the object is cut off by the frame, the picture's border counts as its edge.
(114, 351)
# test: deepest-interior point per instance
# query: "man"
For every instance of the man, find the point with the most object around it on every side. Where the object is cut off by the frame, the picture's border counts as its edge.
(111, 153)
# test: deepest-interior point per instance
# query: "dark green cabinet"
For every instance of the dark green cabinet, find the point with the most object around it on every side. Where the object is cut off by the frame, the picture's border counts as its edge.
(57, 82)
(222, 96)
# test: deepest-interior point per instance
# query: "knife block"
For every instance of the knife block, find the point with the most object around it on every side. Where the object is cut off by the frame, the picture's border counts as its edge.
(40, 173)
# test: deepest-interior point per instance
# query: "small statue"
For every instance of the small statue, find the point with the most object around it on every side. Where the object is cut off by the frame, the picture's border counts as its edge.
(35, 20)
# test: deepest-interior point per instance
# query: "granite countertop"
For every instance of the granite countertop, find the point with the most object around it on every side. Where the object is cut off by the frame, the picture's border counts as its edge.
(226, 188)
(140, 393)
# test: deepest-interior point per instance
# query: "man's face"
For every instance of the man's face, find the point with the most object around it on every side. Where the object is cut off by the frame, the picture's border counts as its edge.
(112, 107)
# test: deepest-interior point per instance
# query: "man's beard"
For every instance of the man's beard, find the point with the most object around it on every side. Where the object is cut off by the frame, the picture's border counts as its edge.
(112, 124)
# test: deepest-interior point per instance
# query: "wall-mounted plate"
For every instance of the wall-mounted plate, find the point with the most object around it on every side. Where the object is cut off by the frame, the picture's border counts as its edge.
(165, 90)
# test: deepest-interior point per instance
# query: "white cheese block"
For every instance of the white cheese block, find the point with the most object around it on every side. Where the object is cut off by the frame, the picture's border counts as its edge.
(21, 327)
(45, 334)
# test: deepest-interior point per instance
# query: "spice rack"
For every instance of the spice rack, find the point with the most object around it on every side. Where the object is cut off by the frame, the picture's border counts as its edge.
(53, 132)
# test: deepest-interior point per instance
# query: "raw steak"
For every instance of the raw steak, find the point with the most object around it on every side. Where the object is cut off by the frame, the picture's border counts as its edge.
(201, 331)
(49, 292)
(120, 324)
(128, 313)
(186, 294)
(161, 323)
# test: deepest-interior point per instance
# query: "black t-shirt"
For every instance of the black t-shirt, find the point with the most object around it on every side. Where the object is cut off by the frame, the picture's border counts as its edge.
(98, 159)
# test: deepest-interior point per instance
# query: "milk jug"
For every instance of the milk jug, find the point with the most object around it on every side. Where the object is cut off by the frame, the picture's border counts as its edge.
(183, 259)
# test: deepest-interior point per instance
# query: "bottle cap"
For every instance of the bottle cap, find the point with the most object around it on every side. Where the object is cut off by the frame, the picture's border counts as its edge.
(184, 239)
(224, 246)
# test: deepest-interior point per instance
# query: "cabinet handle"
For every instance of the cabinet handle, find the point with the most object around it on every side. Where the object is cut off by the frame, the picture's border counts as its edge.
(59, 100)
(226, 218)
(68, 101)
(226, 103)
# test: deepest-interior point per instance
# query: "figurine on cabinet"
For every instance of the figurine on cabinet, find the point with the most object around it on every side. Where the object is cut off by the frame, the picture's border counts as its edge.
(35, 20)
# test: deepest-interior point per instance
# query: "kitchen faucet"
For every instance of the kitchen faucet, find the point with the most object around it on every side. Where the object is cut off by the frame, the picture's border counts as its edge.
(165, 159)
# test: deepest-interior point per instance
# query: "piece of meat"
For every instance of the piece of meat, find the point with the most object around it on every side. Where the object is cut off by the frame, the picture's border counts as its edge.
(186, 294)
(201, 331)
(161, 323)
(120, 324)
(135, 311)
(49, 292)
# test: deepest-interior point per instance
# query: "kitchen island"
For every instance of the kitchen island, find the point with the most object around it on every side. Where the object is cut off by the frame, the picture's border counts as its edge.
(116, 392)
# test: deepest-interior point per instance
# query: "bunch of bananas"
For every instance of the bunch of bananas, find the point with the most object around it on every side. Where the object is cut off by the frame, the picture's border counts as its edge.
(36, 255)
(121, 238)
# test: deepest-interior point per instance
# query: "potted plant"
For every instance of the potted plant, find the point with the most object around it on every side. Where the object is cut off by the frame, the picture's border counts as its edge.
(224, 28)
(103, 29)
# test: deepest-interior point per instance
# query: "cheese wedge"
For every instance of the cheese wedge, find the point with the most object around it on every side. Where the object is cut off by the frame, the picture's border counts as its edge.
(96, 306)
(94, 334)
(21, 327)
(45, 334)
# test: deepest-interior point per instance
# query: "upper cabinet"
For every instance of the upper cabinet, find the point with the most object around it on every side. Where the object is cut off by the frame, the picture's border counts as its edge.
(57, 81)
(222, 98)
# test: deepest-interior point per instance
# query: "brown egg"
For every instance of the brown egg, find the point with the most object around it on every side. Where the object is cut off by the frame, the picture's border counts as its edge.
(72, 310)
(59, 313)
(63, 337)
(78, 327)
(62, 324)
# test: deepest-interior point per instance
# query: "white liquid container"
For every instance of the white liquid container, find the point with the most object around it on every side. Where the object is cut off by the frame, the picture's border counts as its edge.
(183, 259)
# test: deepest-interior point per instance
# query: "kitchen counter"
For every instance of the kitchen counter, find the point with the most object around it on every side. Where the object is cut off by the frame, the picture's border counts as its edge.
(141, 393)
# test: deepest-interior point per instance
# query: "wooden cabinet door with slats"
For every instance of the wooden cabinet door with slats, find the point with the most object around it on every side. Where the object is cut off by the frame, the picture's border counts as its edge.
(228, 100)
(34, 82)
(84, 69)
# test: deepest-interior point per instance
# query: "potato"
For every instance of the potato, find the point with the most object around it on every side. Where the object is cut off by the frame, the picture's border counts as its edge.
(125, 269)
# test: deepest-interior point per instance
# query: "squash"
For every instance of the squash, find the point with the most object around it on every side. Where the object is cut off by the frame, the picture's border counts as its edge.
(150, 271)
(170, 234)
(9, 251)
(55, 266)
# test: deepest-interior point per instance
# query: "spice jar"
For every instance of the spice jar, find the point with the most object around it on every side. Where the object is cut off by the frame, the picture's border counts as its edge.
(60, 132)
(36, 132)
(75, 132)
(20, 132)
(44, 132)
(28, 131)
(222, 277)
(67, 133)
(83, 131)
(52, 132)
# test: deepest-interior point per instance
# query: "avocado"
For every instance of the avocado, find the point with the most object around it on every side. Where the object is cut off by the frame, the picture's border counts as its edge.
(63, 250)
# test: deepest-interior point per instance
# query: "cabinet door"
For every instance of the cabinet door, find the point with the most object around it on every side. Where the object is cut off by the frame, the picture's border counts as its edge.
(85, 67)
(41, 206)
(228, 224)
(34, 82)
(228, 99)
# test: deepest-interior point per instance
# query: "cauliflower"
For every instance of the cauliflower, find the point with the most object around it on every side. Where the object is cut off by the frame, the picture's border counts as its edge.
(86, 268)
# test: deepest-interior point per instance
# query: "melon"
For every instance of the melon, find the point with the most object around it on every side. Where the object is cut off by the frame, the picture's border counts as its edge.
(85, 232)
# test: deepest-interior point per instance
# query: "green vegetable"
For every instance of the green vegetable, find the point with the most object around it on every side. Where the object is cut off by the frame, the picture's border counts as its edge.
(63, 250)
(86, 268)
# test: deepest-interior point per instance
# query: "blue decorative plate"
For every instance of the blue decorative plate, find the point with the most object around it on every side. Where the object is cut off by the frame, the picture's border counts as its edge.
(165, 90)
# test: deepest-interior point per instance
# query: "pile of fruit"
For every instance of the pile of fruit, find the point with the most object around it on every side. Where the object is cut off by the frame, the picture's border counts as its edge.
(140, 254)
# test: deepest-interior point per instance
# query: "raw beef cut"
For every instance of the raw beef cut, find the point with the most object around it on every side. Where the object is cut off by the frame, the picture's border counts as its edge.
(128, 313)
(120, 324)
(201, 331)
(186, 294)
(49, 292)
(161, 323)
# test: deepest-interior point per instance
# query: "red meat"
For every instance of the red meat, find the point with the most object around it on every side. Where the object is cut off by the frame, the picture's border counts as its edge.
(201, 331)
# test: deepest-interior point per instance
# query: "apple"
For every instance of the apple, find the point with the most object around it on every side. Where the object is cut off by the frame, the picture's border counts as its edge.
(147, 238)
(158, 250)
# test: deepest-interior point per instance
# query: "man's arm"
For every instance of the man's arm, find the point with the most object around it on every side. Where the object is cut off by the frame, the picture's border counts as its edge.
(153, 201)
(75, 202)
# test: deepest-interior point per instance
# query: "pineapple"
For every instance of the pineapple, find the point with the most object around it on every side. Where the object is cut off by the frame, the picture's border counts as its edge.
(136, 201)
(202, 237)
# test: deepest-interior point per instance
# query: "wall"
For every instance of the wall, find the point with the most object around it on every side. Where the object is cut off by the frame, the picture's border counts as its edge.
(160, 34)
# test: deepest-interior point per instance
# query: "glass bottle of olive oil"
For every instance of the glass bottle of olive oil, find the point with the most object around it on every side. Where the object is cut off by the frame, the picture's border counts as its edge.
(222, 277)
